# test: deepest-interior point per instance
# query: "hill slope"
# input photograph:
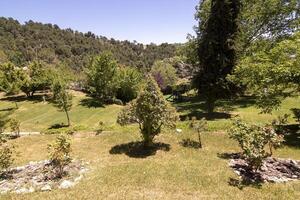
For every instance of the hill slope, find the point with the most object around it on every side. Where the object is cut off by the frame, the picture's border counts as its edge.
(22, 43)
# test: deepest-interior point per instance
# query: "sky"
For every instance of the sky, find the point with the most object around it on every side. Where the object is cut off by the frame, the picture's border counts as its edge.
(145, 21)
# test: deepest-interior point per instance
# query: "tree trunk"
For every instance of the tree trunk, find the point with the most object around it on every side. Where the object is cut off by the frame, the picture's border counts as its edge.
(199, 138)
(210, 105)
(69, 123)
(16, 104)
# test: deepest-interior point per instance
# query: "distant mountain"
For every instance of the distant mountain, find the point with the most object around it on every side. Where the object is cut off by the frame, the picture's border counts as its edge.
(31, 41)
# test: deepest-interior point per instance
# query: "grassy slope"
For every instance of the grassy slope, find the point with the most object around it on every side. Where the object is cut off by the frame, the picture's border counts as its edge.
(181, 173)
(37, 116)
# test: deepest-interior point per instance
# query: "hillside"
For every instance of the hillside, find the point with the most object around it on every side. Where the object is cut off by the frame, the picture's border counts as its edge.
(47, 42)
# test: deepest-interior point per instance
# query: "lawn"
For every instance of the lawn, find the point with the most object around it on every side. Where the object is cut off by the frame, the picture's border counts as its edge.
(170, 172)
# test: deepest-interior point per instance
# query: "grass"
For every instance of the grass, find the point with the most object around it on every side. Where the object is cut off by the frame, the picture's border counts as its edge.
(37, 115)
(180, 173)
(176, 173)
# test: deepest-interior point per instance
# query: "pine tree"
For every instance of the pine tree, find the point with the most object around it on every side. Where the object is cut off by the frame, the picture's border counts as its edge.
(216, 51)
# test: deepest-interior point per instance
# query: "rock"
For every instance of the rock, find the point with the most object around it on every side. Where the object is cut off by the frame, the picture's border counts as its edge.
(66, 184)
(46, 188)
(22, 191)
(178, 130)
(78, 178)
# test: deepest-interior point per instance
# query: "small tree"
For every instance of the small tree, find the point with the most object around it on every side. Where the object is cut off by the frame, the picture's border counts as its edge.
(253, 140)
(11, 79)
(199, 126)
(14, 125)
(6, 154)
(59, 154)
(151, 111)
(100, 77)
(62, 98)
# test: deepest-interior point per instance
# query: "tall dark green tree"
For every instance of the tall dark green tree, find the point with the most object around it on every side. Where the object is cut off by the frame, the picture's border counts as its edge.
(217, 50)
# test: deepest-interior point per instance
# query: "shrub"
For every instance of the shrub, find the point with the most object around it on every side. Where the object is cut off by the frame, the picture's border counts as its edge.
(151, 111)
(129, 80)
(253, 139)
(296, 113)
(6, 154)
(59, 153)
(14, 125)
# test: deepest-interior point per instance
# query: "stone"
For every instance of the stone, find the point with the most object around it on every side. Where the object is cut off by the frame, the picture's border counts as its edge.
(66, 184)
(46, 188)
(178, 130)
(78, 178)
(22, 191)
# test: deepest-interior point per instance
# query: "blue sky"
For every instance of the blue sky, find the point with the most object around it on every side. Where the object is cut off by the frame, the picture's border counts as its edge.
(142, 20)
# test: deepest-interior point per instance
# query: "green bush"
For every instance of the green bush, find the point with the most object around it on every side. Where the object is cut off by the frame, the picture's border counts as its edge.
(296, 113)
(129, 81)
(151, 111)
(253, 139)
(6, 154)
(59, 154)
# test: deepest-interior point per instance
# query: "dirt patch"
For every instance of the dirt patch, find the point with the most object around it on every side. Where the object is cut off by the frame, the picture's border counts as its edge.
(273, 170)
(40, 176)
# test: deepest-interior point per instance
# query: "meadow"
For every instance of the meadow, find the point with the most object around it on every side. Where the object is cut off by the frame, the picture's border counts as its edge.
(120, 170)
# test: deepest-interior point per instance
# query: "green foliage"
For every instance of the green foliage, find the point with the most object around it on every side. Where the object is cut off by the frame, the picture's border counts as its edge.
(128, 83)
(100, 77)
(164, 73)
(253, 140)
(271, 75)
(296, 113)
(62, 99)
(217, 51)
(151, 111)
(14, 125)
(59, 154)
(6, 153)
(48, 43)
(36, 78)
(259, 19)
(11, 78)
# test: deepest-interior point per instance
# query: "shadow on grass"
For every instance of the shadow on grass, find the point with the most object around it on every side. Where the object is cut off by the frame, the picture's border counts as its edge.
(292, 135)
(248, 177)
(188, 143)
(208, 116)
(195, 107)
(91, 103)
(138, 149)
(228, 156)
(57, 126)
(243, 183)
(39, 97)
(7, 109)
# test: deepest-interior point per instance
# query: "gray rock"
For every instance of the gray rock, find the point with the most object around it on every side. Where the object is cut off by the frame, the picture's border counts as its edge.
(66, 184)
(46, 188)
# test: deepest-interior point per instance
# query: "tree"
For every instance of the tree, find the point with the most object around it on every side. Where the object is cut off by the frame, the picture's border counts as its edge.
(151, 111)
(271, 75)
(100, 77)
(59, 154)
(11, 79)
(199, 126)
(62, 98)
(259, 19)
(36, 78)
(217, 51)
(128, 83)
(164, 73)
